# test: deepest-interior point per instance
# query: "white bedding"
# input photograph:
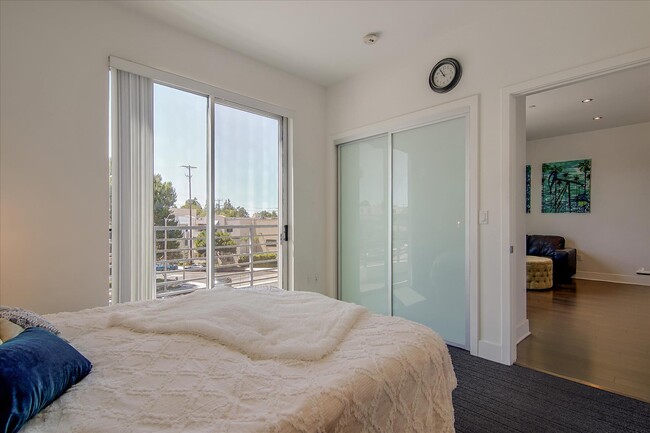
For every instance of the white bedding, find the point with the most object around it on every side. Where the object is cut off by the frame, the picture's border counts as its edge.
(261, 324)
(387, 375)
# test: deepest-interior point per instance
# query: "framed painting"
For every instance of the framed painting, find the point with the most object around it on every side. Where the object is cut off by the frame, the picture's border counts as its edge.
(566, 186)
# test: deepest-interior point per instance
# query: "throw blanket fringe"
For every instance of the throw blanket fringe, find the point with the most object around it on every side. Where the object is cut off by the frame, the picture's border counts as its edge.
(261, 324)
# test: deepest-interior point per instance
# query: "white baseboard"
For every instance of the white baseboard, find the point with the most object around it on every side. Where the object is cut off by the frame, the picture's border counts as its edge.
(522, 331)
(489, 350)
(643, 280)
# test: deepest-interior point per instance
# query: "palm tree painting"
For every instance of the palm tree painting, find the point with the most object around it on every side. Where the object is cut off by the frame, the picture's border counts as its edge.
(566, 186)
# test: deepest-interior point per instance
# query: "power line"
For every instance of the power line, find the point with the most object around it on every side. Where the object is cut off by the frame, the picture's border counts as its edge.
(189, 181)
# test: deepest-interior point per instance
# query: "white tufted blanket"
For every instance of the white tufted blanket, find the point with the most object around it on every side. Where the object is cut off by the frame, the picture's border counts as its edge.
(261, 324)
(387, 375)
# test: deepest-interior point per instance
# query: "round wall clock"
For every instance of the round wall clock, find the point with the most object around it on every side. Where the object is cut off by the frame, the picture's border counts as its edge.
(445, 75)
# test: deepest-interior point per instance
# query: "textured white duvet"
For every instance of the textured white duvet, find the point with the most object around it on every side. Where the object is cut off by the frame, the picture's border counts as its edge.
(386, 375)
(260, 323)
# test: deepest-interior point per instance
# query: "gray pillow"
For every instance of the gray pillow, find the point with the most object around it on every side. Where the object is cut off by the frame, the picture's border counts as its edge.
(26, 319)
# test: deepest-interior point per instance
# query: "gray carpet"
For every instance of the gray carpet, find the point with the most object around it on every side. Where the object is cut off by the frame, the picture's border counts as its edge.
(494, 398)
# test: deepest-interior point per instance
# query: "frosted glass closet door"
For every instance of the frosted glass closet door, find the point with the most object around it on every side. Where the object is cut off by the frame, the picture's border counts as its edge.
(429, 276)
(363, 223)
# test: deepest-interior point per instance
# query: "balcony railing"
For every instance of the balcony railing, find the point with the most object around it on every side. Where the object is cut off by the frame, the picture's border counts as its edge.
(245, 255)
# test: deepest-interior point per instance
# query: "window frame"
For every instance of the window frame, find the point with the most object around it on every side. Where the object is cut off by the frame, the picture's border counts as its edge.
(220, 96)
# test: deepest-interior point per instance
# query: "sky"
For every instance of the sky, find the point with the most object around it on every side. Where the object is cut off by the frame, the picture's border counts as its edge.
(246, 154)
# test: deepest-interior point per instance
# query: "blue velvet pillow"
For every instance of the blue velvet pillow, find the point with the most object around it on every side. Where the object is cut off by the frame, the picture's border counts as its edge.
(36, 367)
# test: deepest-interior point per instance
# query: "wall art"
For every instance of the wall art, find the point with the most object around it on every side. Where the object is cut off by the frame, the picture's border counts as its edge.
(566, 186)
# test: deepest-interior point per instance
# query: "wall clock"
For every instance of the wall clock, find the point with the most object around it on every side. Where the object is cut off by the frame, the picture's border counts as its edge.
(445, 75)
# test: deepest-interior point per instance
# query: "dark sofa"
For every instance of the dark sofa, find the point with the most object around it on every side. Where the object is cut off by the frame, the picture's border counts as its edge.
(564, 259)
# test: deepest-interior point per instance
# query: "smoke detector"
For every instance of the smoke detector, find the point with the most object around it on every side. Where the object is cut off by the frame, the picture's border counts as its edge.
(370, 38)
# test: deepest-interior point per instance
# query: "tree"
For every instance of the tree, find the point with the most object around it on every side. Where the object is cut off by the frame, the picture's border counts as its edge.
(228, 210)
(196, 206)
(164, 199)
(585, 167)
(225, 255)
(267, 214)
(221, 240)
(200, 243)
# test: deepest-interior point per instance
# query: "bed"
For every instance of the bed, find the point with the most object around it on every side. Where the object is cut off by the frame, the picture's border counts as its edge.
(202, 363)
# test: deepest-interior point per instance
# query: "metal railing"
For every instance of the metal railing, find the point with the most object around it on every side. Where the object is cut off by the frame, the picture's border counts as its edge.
(244, 255)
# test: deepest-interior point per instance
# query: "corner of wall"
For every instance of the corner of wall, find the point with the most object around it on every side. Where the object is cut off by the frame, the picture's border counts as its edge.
(490, 351)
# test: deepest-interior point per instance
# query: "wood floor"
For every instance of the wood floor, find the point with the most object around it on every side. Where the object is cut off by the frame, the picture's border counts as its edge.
(593, 332)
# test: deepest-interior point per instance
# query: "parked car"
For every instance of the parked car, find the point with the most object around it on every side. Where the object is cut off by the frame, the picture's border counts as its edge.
(170, 267)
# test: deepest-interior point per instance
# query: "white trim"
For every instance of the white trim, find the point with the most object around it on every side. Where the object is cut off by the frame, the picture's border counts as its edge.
(523, 330)
(389, 213)
(489, 350)
(469, 108)
(435, 114)
(290, 280)
(197, 86)
(641, 280)
(510, 97)
(472, 183)
(507, 286)
(283, 212)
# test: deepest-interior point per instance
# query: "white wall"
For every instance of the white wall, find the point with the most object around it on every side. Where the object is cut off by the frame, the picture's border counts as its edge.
(613, 240)
(54, 151)
(519, 43)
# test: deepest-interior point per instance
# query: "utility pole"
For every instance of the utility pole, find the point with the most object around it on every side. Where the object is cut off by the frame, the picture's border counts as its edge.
(189, 181)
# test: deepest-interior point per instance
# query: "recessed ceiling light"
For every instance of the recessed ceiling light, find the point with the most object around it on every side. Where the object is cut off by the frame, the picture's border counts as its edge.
(584, 101)
(598, 117)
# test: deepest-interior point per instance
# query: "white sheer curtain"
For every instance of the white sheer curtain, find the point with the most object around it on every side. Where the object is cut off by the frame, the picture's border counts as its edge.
(133, 261)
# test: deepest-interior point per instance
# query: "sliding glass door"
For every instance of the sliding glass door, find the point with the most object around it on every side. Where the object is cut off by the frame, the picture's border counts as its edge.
(231, 200)
(429, 225)
(179, 188)
(403, 225)
(247, 196)
(198, 189)
(363, 220)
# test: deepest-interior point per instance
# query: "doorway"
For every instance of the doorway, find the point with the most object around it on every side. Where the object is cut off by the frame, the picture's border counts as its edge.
(519, 101)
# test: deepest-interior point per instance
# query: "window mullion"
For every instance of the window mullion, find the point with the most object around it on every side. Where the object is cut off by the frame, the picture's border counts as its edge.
(210, 255)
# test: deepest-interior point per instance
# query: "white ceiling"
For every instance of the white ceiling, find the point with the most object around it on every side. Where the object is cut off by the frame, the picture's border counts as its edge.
(621, 98)
(318, 40)
(321, 41)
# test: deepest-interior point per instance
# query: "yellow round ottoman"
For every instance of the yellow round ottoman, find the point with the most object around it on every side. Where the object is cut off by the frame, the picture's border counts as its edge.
(539, 272)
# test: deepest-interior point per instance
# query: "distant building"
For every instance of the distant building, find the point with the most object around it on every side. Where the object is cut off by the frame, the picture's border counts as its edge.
(264, 231)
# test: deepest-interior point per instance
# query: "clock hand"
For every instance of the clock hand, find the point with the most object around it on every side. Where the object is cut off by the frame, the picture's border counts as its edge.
(443, 74)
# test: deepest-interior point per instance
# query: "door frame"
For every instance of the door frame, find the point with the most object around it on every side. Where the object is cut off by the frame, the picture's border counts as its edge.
(469, 108)
(515, 325)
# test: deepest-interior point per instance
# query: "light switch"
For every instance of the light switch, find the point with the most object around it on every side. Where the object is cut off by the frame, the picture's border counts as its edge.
(483, 217)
